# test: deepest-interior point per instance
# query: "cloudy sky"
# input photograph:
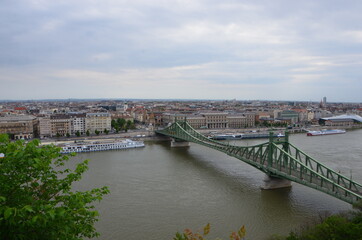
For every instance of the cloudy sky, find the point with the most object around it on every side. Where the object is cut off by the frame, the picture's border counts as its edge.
(183, 49)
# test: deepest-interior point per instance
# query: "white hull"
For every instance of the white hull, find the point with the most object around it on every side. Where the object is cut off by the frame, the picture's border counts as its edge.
(93, 147)
(325, 132)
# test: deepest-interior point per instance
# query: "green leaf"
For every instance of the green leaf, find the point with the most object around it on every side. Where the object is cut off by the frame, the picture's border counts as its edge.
(8, 213)
(34, 219)
(51, 214)
(28, 208)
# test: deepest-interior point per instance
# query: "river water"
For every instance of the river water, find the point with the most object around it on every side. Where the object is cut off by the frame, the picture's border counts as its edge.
(158, 190)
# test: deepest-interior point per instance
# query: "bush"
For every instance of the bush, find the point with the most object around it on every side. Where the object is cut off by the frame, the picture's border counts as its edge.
(36, 200)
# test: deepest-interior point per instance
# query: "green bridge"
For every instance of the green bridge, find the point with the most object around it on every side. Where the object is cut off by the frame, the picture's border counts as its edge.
(279, 159)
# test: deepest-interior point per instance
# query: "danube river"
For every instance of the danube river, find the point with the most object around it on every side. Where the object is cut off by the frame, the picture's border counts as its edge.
(158, 190)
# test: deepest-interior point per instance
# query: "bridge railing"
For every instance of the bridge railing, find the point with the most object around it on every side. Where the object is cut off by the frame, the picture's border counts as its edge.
(324, 170)
(292, 168)
(278, 158)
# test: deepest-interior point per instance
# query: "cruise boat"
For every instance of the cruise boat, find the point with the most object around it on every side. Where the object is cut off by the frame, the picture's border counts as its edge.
(227, 137)
(100, 146)
(325, 132)
(245, 136)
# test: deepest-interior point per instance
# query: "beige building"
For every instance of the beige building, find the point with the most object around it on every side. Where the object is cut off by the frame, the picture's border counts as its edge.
(196, 121)
(60, 125)
(98, 121)
(212, 120)
(216, 119)
(45, 129)
(169, 118)
(241, 120)
(19, 126)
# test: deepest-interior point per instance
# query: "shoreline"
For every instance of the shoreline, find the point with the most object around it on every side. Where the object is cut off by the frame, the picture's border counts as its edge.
(150, 136)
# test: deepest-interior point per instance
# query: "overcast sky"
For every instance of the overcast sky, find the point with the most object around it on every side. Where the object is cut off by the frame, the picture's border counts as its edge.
(181, 49)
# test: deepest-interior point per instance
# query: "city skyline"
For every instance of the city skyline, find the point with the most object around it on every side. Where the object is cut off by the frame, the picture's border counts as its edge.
(280, 50)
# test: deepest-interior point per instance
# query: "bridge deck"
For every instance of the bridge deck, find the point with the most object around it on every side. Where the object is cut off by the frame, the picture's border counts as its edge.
(278, 158)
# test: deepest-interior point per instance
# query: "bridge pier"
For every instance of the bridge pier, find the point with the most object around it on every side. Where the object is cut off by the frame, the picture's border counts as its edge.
(275, 182)
(179, 143)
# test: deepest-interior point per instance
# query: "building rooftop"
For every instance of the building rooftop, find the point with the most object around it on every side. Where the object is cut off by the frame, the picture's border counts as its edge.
(345, 117)
(17, 118)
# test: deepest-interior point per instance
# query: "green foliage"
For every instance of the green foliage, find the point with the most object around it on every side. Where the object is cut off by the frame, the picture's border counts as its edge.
(335, 227)
(106, 131)
(358, 205)
(36, 199)
(188, 234)
(122, 124)
(87, 133)
(96, 132)
(77, 134)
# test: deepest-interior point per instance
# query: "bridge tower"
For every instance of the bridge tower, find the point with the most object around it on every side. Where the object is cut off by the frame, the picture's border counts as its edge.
(271, 181)
(176, 142)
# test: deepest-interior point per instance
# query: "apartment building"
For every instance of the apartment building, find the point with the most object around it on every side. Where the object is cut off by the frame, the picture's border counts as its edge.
(60, 125)
(45, 128)
(19, 126)
(78, 123)
(98, 121)
(241, 120)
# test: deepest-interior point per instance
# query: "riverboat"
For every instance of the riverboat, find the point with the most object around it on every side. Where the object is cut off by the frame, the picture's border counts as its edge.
(100, 146)
(325, 132)
(245, 136)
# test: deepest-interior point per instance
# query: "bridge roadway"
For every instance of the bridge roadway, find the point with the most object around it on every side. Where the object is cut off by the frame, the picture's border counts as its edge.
(278, 159)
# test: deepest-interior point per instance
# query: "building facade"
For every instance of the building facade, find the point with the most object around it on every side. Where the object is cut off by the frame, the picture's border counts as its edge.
(241, 120)
(60, 125)
(216, 119)
(78, 123)
(98, 121)
(45, 129)
(19, 126)
(212, 120)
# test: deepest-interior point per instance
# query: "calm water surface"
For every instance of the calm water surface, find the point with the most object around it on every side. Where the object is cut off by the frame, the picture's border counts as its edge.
(157, 190)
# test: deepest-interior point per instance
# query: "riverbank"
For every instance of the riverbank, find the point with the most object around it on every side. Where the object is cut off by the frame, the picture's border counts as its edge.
(151, 136)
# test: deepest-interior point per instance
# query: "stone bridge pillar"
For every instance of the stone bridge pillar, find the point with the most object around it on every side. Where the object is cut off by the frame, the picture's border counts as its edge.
(275, 182)
(179, 143)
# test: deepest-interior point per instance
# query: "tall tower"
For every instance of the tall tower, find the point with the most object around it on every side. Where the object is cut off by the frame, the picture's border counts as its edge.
(125, 107)
(324, 101)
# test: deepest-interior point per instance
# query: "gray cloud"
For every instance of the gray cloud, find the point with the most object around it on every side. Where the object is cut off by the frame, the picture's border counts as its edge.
(299, 50)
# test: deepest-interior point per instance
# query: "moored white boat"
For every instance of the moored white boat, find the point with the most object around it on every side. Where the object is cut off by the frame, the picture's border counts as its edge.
(100, 146)
(325, 132)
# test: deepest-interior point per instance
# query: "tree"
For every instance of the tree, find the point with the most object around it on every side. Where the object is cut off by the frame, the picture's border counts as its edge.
(129, 124)
(121, 122)
(96, 132)
(339, 226)
(58, 135)
(36, 200)
(77, 134)
(68, 135)
(87, 133)
(106, 131)
(113, 123)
